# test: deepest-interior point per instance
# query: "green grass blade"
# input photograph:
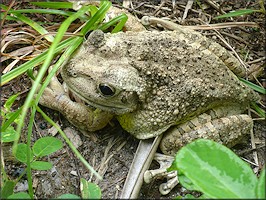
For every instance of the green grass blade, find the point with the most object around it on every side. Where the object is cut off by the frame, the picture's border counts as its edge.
(101, 12)
(254, 86)
(236, 13)
(63, 59)
(29, 175)
(120, 20)
(48, 11)
(32, 63)
(43, 11)
(11, 119)
(50, 54)
(260, 111)
(55, 5)
(31, 23)
(7, 17)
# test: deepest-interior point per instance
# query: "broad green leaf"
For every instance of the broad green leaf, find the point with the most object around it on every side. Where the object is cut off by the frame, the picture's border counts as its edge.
(236, 13)
(89, 190)
(260, 189)
(215, 170)
(19, 195)
(186, 182)
(9, 102)
(7, 189)
(68, 196)
(41, 165)
(46, 145)
(21, 153)
(9, 135)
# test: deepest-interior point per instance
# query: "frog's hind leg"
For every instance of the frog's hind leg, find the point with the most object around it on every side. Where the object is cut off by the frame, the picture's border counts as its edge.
(226, 130)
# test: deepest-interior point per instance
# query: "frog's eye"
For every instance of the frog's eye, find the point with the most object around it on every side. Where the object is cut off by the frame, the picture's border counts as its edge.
(106, 89)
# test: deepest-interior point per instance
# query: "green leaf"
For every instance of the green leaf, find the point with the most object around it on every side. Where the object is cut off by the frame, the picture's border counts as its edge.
(215, 170)
(21, 153)
(19, 195)
(186, 182)
(68, 196)
(236, 13)
(7, 189)
(89, 190)
(9, 102)
(9, 135)
(41, 165)
(260, 189)
(46, 145)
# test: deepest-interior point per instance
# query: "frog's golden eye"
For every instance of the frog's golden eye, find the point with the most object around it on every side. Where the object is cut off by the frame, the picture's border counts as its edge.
(106, 89)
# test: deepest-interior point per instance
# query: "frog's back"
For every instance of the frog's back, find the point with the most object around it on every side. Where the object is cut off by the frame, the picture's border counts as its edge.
(183, 77)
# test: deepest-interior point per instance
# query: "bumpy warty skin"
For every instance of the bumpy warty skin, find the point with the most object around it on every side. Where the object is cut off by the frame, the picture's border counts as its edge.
(162, 78)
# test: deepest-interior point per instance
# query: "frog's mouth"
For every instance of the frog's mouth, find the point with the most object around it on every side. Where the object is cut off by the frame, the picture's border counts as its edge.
(94, 103)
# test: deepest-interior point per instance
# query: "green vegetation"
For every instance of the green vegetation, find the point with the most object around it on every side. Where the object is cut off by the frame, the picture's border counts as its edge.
(217, 172)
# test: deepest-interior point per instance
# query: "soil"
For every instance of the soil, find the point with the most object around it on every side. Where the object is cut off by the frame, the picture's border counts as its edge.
(110, 151)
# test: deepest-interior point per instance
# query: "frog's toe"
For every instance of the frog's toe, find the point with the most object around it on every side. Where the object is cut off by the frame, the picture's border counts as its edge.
(172, 180)
(165, 188)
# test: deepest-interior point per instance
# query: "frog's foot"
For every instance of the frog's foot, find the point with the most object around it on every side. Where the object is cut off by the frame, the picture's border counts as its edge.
(53, 95)
(165, 162)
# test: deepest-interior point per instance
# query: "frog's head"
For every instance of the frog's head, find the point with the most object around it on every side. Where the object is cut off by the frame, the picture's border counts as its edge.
(110, 85)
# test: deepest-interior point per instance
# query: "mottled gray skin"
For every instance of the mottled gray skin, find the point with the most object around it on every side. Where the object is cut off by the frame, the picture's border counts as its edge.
(159, 79)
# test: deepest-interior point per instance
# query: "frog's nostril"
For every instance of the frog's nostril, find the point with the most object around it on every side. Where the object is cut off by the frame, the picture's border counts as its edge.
(71, 72)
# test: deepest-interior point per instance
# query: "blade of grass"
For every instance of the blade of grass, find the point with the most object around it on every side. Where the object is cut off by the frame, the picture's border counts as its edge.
(120, 20)
(43, 11)
(79, 156)
(11, 119)
(62, 60)
(29, 176)
(105, 5)
(55, 5)
(33, 62)
(31, 23)
(260, 111)
(2, 17)
(254, 86)
(62, 29)
(49, 11)
(236, 13)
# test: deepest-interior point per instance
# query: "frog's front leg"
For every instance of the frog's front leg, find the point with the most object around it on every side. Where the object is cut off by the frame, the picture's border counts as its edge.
(80, 115)
(226, 130)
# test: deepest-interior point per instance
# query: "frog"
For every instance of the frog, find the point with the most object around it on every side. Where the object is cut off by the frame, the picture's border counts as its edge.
(176, 83)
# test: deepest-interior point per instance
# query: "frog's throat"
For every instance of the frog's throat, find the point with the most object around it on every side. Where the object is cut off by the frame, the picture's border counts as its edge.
(140, 130)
